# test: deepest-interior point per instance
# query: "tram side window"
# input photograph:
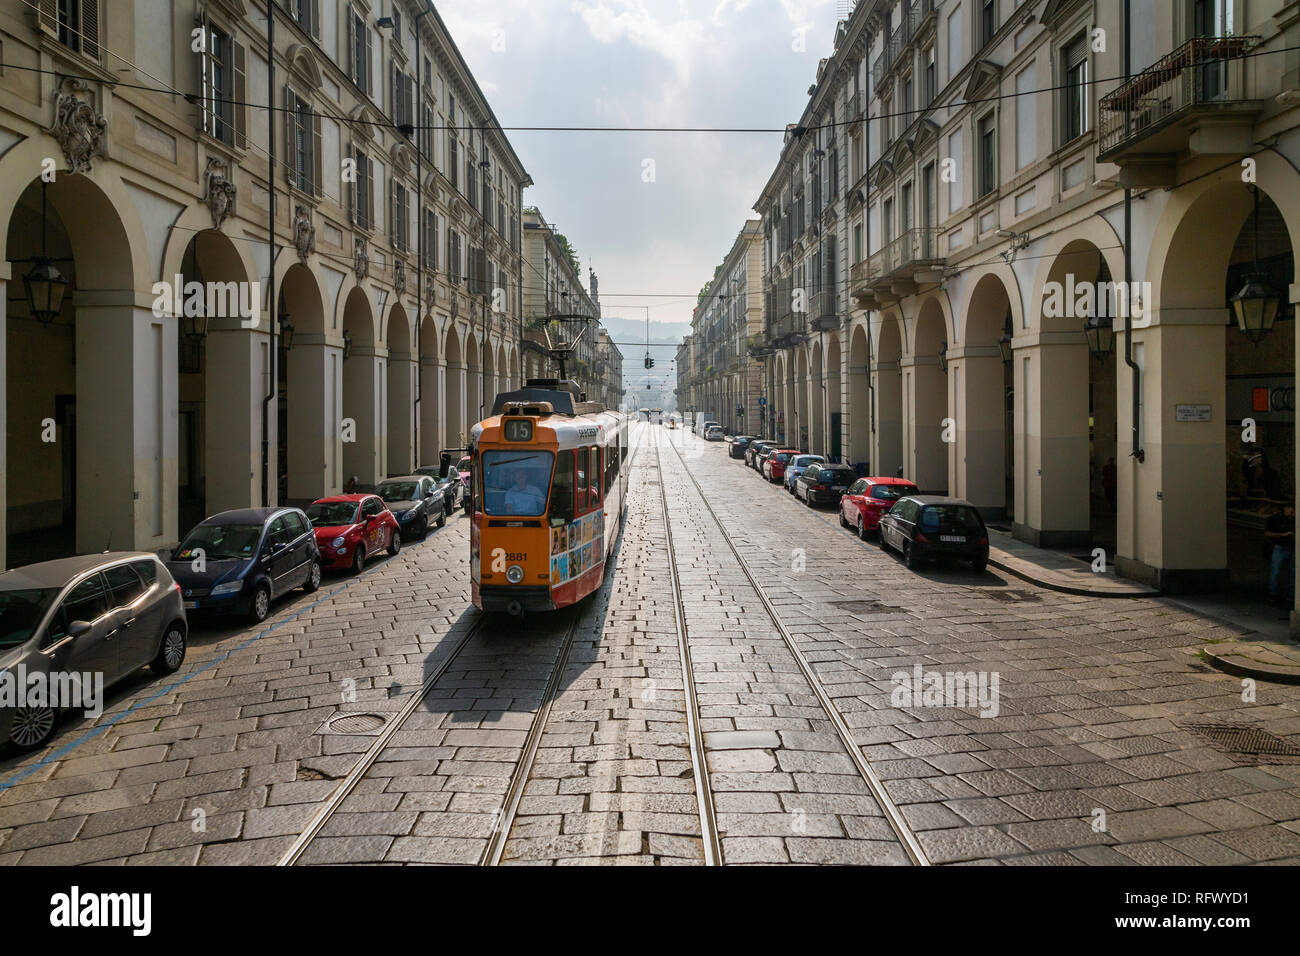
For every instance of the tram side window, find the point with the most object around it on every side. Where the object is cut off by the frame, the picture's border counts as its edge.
(584, 469)
(611, 468)
(561, 511)
(595, 472)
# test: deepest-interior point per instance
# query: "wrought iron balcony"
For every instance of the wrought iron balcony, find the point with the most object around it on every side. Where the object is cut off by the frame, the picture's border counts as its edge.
(1157, 112)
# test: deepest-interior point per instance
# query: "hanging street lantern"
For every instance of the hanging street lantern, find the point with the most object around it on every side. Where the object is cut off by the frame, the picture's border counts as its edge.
(1100, 333)
(44, 285)
(1256, 304)
(347, 344)
(1004, 346)
(943, 357)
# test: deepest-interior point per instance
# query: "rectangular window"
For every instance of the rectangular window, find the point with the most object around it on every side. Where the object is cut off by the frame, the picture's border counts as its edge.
(362, 191)
(988, 20)
(1074, 106)
(304, 144)
(857, 243)
(400, 216)
(453, 159)
(74, 23)
(360, 57)
(307, 15)
(956, 44)
(988, 154)
(931, 77)
(223, 84)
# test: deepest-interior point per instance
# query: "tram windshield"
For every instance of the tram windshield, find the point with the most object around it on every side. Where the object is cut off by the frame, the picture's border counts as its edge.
(515, 482)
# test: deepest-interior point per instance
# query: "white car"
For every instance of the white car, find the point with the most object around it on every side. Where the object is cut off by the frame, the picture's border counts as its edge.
(713, 433)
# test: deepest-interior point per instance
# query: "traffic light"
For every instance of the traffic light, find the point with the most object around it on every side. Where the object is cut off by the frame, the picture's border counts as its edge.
(649, 362)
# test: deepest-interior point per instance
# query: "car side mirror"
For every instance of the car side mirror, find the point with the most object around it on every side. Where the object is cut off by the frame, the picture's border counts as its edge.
(78, 628)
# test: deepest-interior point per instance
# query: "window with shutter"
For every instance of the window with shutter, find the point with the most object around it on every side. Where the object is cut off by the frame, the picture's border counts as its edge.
(74, 23)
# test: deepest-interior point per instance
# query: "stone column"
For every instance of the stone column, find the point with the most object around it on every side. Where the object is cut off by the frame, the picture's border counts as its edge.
(315, 398)
(1053, 376)
(401, 424)
(362, 405)
(979, 466)
(235, 385)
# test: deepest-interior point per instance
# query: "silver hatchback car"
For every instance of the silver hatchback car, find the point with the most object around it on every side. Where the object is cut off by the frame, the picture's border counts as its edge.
(87, 621)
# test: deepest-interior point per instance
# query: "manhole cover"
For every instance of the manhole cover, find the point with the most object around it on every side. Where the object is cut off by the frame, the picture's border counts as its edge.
(355, 724)
(1244, 740)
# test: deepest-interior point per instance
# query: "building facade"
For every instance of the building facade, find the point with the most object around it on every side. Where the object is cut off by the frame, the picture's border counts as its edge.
(724, 327)
(201, 352)
(1033, 226)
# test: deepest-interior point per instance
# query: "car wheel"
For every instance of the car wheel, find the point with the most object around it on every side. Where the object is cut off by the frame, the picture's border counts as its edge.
(32, 728)
(909, 556)
(261, 604)
(423, 531)
(880, 536)
(979, 564)
(171, 653)
(358, 558)
(394, 542)
(844, 523)
(313, 577)
(442, 520)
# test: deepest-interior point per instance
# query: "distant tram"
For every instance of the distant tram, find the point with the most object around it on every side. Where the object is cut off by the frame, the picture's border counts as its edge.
(548, 487)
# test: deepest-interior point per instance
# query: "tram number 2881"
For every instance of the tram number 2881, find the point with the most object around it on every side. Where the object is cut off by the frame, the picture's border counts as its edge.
(501, 557)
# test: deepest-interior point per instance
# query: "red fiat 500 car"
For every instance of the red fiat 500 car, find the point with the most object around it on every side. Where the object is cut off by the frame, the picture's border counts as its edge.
(774, 465)
(352, 528)
(869, 498)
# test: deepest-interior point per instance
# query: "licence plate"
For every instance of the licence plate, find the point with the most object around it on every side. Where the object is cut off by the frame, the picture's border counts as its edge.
(954, 538)
(191, 605)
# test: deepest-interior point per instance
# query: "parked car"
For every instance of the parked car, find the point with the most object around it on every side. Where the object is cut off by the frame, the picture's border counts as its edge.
(760, 456)
(351, 528)
(796, 468)
(923, 527)
(415, 501)
(869, 498)
(738, 445)
(753, 448)
(449, 480)
(108, 614)
(238, 562)
(713, 433)
(824, 484)
(702, 425)
(775, 461)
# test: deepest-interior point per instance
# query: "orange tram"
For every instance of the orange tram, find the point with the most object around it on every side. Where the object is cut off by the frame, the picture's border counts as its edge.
(548, 488)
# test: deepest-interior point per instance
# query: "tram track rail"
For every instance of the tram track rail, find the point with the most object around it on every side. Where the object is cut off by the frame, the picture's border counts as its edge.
(893, 816)
(695, 735)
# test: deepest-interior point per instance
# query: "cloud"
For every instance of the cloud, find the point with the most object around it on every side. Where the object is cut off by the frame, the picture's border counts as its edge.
(676, 40)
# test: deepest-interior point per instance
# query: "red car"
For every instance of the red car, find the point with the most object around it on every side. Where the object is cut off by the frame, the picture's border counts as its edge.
(869, 498)
(351, 528)
(774, 464)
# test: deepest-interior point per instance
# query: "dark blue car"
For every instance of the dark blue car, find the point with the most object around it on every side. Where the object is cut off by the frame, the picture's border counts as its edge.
(238, 562)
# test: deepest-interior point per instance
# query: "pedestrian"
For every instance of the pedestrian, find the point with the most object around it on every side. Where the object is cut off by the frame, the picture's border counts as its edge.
(1109, 484)
(1280, 530)
(350, 488)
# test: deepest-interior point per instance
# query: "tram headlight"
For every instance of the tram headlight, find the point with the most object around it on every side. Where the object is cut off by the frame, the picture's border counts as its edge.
(514, 574)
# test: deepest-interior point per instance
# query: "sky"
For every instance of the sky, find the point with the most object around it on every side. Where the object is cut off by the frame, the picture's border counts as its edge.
(638, 63)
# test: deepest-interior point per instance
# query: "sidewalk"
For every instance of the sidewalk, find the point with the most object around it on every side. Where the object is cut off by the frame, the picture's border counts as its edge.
(1059, 571)
(1263, 648)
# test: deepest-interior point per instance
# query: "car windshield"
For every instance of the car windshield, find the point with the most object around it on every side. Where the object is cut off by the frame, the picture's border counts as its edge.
(330, 514)
(836, 476)
(221, 542)
(428, 470)
(21, 611)
(803, 461)
(959, 518)
(515, 482)
(399, 491)
(892, 492)
(782, 457)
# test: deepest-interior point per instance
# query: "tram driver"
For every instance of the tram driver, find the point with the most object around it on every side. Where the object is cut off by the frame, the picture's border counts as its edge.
(523, 498)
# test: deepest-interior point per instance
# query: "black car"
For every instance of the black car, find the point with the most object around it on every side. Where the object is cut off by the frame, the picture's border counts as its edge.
(447, 479)
(238, 562)
(738, 445)
(932, 526)
(824, 484)
(755, 452)
(416, 501)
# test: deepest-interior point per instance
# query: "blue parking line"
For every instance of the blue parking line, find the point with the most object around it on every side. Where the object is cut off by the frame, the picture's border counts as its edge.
(90, 735)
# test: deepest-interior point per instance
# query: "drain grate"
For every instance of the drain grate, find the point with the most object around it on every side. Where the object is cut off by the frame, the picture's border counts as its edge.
(1246, 741)
(357, 724)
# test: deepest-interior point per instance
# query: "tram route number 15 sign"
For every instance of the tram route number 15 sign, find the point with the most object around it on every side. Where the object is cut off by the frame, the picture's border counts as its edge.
(576, 547)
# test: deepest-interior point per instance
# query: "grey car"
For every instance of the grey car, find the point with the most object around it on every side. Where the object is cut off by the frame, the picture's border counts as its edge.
(105, 615)
(416, 501)
(448, 480)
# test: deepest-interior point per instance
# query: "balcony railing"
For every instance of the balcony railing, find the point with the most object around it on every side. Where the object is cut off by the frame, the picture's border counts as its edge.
(1204, 74)
(824, 313)
(893, 52)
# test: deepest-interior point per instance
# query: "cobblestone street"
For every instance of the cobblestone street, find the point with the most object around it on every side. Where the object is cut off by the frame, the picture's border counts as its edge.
(570, 739)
